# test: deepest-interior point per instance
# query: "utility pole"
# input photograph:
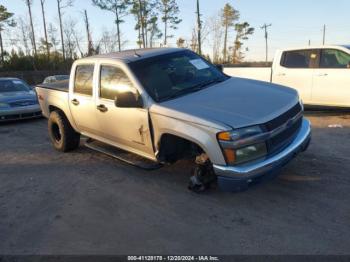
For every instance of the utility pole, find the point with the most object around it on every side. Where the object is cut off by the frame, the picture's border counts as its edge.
(324, 34)
(264, 27)
(199, 24)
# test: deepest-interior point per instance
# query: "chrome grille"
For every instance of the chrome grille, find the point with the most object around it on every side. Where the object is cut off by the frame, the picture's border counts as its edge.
(284, 138)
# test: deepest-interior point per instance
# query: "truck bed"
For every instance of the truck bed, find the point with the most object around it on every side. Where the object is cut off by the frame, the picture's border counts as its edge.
(256, 73)
(59, 86)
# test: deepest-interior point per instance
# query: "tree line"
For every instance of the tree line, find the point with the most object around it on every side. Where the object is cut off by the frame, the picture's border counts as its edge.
(155, 23)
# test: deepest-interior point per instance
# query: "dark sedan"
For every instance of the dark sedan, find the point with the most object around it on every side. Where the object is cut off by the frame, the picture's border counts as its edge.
(17, 100)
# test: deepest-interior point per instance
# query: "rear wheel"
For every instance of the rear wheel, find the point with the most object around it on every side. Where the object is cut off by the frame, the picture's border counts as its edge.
(63, 136)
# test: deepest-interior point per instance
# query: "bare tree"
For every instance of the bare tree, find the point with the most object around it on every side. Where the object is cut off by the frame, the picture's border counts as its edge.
(61, 5)
(52, 34)
(72, 38)
(216, 35)
(42, 3)
(109, 43)
(29, 5)
(24, 34)
(5, 20)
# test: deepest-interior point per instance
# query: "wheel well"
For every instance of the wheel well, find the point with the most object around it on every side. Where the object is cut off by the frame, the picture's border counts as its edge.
(173, 148)
(55, 108)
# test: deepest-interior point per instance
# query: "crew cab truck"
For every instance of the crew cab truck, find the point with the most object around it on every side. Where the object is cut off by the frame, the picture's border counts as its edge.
(167, 104)
(321, 74)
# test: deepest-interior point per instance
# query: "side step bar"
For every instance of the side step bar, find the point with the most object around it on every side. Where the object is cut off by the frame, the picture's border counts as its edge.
(121, 155)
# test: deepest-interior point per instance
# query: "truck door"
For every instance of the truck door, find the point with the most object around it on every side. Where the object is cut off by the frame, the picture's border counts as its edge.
(81, 98)
(295, 70)
(332, 79)
(126, 128)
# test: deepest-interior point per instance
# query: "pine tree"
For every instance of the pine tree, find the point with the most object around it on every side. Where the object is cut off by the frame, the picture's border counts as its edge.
(169, 10)
(229, 17)
(119, 8)
(5, 20)
(243, 30)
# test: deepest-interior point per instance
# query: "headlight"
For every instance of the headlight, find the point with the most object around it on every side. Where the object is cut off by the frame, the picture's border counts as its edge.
(239, 133)
(4, 105)
(237, 155)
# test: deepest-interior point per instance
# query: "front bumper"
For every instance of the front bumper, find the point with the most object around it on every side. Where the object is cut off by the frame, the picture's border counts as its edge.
(19, 113)
(232, 177)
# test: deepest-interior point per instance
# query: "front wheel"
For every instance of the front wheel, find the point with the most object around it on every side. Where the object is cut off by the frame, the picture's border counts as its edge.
(63, 136)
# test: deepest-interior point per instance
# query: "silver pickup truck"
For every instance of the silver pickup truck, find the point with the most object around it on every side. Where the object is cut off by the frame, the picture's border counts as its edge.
(168, 104)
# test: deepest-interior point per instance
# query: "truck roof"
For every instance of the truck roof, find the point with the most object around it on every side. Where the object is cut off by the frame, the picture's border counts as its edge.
(315, 47)
(133, 55)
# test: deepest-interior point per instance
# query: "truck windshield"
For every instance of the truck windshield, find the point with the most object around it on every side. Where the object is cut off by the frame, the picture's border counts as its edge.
(173, 75)
(13, 86)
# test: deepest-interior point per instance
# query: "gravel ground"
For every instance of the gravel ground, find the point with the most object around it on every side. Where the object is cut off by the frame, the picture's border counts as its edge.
(87, 203)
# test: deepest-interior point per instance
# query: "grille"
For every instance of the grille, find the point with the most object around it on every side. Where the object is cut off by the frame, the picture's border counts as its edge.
(277, 122)
(19, 116)
(284, 138)
(23, 103)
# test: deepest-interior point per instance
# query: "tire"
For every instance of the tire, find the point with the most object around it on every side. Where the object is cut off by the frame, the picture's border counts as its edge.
(62, 135)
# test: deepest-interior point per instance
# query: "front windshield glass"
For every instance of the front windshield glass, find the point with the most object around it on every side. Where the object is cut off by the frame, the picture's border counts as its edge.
(13, 86)
(173, 75)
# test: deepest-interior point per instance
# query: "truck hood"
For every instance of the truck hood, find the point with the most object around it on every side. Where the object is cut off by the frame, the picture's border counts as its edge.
(17, 96)
(235, 103)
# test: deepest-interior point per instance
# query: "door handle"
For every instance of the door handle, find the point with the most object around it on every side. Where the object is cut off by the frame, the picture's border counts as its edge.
(102, 108)
(281, 74)
(323, 74)
(75, 102)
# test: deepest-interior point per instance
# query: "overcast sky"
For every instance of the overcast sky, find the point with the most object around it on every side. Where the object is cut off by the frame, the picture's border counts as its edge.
(294, 22)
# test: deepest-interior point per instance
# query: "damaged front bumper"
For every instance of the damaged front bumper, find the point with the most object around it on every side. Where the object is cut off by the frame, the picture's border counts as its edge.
(233, 178)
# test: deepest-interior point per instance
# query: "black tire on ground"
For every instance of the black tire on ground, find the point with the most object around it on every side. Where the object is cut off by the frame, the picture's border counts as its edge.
(63, 136)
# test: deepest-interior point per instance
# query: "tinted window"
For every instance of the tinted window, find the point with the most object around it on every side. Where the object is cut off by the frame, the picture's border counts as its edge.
(298, 59)
(113, 81)
(13, 86)
(172, 75)
(332, 58)
(83, 79)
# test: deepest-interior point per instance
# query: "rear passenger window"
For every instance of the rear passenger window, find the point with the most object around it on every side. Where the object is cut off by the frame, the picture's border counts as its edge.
(113, 80)
(83, 79)
(298, 59)
(332, 58)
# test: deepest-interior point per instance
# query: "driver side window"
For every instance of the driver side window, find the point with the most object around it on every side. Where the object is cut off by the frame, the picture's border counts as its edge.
(113, 81)
(332, 58)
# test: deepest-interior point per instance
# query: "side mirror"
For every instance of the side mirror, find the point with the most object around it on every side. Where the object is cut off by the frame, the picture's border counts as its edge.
(220, 67)
(128, 100)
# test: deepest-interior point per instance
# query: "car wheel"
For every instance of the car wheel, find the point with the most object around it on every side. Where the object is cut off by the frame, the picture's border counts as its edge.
(63, 136)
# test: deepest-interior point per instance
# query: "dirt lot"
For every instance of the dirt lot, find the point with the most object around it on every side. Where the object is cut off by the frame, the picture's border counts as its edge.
(87, 203)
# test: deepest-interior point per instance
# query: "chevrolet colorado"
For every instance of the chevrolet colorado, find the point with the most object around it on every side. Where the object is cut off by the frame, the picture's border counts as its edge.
(167, 104)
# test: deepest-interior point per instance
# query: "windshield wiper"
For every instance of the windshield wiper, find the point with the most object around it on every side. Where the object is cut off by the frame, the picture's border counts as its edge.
(193, 89)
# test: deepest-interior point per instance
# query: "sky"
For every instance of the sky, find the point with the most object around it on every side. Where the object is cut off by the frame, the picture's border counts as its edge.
(294, 22)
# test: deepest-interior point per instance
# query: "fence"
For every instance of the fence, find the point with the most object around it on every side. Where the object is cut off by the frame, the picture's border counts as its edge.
(32, 77)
